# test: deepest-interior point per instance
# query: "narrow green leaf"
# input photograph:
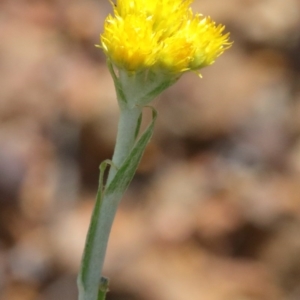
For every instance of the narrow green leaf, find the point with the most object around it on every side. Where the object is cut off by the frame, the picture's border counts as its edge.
(92, 229)
(120, 94)
(126, 172)
(103, 288)
(156, 90)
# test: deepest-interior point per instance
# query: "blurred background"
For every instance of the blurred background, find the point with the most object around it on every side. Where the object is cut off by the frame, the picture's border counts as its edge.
(214, 210)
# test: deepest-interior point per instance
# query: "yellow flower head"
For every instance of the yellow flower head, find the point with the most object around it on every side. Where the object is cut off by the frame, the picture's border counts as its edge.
(161, 35)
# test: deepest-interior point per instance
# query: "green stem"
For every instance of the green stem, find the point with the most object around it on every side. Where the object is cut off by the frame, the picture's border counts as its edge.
(91, 269)
(126, 136)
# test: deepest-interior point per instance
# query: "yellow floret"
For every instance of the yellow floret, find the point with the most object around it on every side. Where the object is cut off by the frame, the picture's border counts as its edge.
(161, 35)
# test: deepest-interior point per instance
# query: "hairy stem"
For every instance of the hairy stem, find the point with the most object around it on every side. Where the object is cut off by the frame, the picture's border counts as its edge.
(105, 209)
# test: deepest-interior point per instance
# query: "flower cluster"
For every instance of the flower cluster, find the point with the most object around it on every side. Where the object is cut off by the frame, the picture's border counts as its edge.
(162, 35)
